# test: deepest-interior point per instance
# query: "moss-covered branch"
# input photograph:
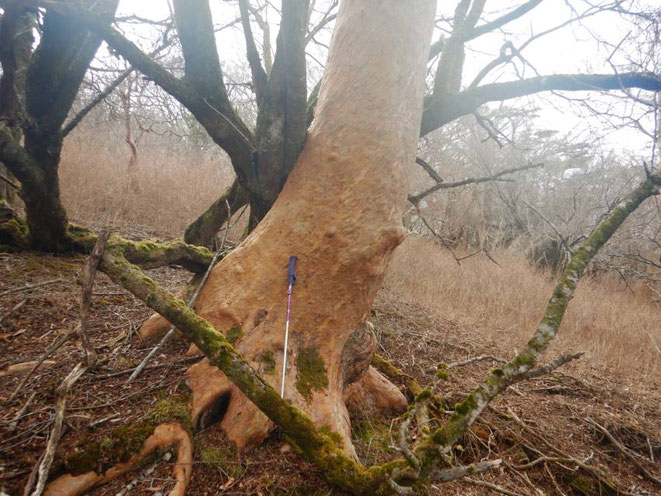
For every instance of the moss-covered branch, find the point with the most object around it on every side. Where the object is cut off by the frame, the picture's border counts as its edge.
(316, 446)
(203, 229)
(523, 365)
(147, 254)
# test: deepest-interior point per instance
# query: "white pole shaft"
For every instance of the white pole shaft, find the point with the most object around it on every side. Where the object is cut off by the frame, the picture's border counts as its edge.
(284, 353)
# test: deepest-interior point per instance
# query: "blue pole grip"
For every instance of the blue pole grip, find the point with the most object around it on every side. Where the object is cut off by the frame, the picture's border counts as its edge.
(292, 273)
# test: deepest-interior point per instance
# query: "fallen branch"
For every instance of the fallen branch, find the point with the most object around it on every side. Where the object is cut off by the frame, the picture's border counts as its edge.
(14, 423)
(49, 351)
(476, 359)
(588, 468)
(523, 365)
(43, 467)
(491, 486)
(622, 449)
(315, 446)
(29, 287)
(454, 473)
(89, 271)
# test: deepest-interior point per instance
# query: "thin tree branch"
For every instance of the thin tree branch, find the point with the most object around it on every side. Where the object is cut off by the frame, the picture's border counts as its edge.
(513, 15)
(76, 119)
(429, 169)
(259, 76)
(415, 199)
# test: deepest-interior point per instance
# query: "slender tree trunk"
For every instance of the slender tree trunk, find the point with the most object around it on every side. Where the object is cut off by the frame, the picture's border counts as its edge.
(339, 213)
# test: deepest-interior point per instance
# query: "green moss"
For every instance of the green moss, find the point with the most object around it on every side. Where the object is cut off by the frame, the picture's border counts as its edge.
(334, 436)
(372, 433)
(465, 406)
(311, 375)
(223, 460)
(267, 360)
(423, 395)
(127, 440)
(234, 333)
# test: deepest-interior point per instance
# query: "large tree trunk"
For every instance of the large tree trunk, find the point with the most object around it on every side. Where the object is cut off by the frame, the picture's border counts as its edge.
(339, 213)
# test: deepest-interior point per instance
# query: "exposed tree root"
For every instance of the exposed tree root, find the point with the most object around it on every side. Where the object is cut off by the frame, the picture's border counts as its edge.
(164, 436)
(374, 395)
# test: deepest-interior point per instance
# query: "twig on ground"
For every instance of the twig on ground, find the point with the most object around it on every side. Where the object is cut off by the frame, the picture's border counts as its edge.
(454, 473)
(491, 486)
(104, 419)
(29, 287)
(476, 359)
(43, 467)
(50, 350)
(588, 468)
(624, 450)
(151, 367)
(14, 423)
(16, 307)
(138, 370)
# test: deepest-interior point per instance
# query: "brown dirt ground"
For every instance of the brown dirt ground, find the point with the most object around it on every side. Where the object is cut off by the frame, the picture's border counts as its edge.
(555, 408)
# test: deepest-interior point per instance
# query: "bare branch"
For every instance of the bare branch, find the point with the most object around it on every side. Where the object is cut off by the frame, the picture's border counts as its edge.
(259, 76)
(76, 119)
(520, 11)
(454, 473)
(89, 271)
(415, 199)
(429, 169)
(441, 110)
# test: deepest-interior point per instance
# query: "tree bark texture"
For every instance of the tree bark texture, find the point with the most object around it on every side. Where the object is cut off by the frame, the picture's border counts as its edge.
(339, 213)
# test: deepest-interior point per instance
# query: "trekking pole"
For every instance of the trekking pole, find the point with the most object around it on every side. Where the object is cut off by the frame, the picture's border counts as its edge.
(292, 281)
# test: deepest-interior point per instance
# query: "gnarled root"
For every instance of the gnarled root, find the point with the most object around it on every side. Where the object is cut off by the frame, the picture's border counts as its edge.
(373, 394)
(164, 436)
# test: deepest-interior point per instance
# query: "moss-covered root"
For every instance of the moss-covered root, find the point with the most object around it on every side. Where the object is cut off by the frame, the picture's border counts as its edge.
(164, 436)
(319, 447)
(522, 366)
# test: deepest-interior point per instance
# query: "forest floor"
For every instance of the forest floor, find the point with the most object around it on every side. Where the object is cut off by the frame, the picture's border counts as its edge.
(553, 414)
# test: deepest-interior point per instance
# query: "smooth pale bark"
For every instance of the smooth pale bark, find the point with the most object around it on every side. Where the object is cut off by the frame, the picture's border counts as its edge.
(339, 212)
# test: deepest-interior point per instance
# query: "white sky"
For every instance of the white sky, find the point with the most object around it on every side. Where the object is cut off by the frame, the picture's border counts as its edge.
(569, 50)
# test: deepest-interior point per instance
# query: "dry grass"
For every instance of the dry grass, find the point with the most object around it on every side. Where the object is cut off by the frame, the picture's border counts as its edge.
(498, 307)
(501, 307)
(172, 183)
